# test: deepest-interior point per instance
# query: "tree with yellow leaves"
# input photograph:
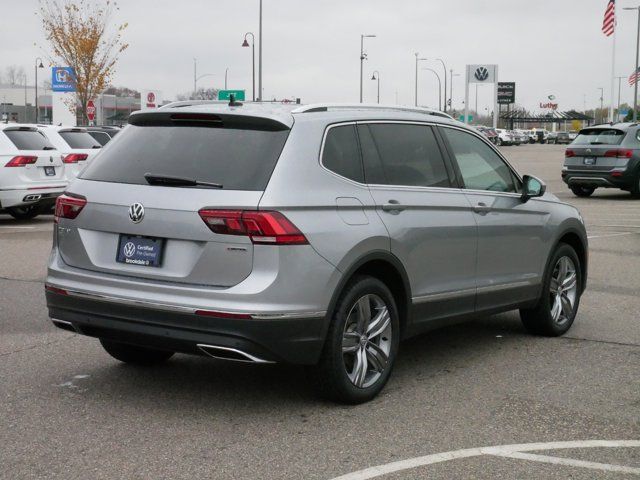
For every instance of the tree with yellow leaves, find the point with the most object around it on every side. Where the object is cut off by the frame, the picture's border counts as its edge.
(81, 35)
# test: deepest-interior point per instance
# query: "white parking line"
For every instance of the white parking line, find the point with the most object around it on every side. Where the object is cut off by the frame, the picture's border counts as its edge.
(500, 450)
(11, 226)
(570, 462)
(610, 235)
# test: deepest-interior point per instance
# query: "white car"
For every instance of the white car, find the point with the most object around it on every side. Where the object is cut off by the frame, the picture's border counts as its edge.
(76, 145)
(32, 172)
(504, 137)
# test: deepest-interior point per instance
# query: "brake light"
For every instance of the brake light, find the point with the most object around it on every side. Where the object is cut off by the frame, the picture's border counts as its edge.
(262, 227)
(52, 289)
(21, 161)
(68, 207)
(569, 153)
(619, 153)
(75, 157)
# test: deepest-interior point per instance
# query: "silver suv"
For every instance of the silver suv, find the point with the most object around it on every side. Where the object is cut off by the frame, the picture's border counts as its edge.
(319, 235)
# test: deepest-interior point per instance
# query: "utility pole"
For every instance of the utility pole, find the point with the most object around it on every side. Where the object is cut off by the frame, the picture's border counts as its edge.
(635, 72)
(418, 59)
(260, 55)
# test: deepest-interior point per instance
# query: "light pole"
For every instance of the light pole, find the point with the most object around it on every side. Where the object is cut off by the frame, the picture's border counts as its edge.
(418, 59)
(38, 65)
(445, 81)
(260, 55)
(451, 75)
(601, 103)
(373, 77)
(635, 72)
(195, 82)
(253, 60)
(439, 87)
(362, 58)
(619, 88)
(226, 74)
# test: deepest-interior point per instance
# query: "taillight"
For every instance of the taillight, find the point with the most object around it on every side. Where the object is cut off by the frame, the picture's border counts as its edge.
(52, 289)
(262, 227)
(21, 161)
(68, 207)
(619, 153)
(569, 153)
(75, 157)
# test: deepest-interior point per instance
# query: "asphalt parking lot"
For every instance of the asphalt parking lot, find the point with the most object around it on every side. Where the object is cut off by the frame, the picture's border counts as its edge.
(69, 411)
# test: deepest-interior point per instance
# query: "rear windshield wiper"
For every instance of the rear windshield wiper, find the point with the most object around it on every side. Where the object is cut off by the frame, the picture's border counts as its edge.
(96, 146)
(48, 148)
(170, 181)
(597, 143)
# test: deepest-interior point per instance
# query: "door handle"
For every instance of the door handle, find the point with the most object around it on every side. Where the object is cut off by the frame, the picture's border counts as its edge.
(482, 208)
(393, 206)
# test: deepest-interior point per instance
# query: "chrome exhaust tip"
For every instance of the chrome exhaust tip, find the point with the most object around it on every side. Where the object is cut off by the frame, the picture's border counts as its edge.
(64, 325)
(232, 354)
(32, 198)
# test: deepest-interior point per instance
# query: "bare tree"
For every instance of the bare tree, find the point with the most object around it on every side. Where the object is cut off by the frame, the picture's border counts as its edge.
(14, 75)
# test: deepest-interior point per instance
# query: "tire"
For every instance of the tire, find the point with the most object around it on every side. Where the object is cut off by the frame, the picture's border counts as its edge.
(499, 142)
(134, 354)
(635, 188)
(24, 213)
(557, 308)
(337, 375)
(581, 191)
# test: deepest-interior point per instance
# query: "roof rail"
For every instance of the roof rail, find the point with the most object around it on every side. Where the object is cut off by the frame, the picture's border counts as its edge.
(323, 107)
(189, 103)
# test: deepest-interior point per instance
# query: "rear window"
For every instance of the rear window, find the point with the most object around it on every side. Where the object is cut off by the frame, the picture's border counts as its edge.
(238, 159)
(28, 140)
(599, 136)
(79, 139)
(341, 154)
(101, 137)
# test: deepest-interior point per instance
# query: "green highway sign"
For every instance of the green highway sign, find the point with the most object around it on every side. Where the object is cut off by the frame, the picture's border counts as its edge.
(225, 95)
(461, 118)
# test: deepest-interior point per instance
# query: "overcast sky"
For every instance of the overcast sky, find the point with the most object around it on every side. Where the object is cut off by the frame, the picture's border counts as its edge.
(312, 47)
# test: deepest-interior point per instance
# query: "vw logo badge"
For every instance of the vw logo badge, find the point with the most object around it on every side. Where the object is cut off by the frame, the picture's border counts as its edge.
(588, 150)
(481, 74)
(136, 212)
(129, 249)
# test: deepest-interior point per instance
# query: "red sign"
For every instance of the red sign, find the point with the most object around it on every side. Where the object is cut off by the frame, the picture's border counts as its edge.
(151, 99)
(91, 110)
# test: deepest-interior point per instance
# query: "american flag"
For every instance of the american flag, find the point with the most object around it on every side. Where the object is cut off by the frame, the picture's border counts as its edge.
(633, 78)
(609, 22)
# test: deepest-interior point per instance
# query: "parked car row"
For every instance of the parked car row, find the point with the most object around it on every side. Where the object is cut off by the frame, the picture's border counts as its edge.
(37, 162)
(501, 136)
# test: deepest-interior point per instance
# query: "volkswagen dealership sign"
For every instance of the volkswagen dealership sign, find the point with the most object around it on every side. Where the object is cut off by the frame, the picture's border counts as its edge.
(482, 74)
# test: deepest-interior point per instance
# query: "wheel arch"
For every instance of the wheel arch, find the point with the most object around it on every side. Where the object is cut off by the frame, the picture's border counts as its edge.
(576, 240)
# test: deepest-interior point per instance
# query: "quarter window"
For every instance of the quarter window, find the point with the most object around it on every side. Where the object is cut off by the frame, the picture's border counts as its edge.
(341, 153)
(481, 168)
(402, 154)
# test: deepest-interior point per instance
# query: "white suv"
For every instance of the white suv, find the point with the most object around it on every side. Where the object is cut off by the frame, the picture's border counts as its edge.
(75, 144)
(32, 172)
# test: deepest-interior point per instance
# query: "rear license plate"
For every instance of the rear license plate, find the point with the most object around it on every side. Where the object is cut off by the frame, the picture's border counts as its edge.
(145, 251)
(50, 171)
(589, 160)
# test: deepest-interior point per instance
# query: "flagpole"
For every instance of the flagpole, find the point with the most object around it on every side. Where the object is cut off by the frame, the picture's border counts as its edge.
(613, 64)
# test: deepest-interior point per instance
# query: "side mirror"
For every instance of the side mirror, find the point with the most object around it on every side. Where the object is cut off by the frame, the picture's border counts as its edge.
(532, 187)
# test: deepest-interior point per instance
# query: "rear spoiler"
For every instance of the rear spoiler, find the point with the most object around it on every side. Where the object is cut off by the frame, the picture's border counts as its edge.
(207, 120)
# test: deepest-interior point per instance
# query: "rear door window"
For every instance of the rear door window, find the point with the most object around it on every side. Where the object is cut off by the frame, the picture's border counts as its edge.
(480, 166)
(28, 139)
(79, 140)
(238, 159)
(402, 154)
(341, 153)
(599, 136)
(101, 137)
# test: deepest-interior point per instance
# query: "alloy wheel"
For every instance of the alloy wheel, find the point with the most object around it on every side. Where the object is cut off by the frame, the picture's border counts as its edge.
(366, 340)
(563, 290)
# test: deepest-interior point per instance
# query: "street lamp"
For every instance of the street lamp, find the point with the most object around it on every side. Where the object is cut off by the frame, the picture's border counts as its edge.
(444, 67)
(439, 87)
(601, 103)
(373, 77)
(418, 60)
(226, 74)
(635, 72)
(362, 58)
(451, 75)
(260, 55)
(38, 65)
(253, 60)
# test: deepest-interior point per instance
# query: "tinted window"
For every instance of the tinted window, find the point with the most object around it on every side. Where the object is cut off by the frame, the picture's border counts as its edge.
(28, 140)
(101, 137)
(238, 159)
(599, 136)
(480, 166)
(397, 154)
(341, 154)
(79, 140)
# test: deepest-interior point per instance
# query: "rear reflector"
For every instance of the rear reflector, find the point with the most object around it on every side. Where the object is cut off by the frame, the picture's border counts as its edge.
(75, 157)
(68, 207)
(21, 161)
(262, 227)
(569, 153)
(619, 153)
(57, 290)
(211, 313)
(616, 174)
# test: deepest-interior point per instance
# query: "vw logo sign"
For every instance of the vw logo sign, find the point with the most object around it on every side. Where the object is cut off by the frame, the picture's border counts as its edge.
(481, 74)
(136, 212)
(129, 249)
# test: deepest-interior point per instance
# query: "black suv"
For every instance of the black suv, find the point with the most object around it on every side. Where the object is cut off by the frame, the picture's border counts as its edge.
(604, 156)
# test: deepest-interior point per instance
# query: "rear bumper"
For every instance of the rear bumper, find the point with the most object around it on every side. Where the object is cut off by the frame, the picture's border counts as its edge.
(288, 339)
(607, 179)
(18, 197)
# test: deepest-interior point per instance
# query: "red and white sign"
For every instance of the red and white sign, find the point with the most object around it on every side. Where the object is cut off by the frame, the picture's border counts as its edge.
(91, 110)
(150, 99)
